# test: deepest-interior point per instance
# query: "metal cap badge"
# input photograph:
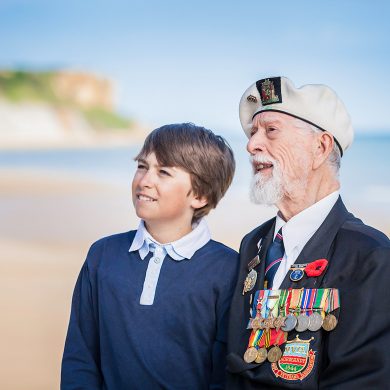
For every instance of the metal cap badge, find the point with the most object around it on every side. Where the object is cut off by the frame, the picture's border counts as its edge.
(315, 104)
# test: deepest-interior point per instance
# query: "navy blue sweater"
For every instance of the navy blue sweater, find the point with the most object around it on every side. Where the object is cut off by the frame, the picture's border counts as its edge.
(179, 342)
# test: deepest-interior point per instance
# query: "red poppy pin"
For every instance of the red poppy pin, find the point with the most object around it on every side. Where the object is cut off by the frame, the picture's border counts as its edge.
(316, 268)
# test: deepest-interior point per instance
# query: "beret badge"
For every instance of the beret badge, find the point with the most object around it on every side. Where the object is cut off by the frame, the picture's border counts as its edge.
(270, 90)
(252, 99)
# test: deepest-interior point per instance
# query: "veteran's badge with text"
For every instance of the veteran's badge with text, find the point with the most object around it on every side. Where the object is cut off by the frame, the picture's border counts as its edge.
(297, 361)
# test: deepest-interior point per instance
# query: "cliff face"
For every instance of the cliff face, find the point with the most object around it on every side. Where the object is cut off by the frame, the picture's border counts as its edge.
(83, 89)
(56, 107)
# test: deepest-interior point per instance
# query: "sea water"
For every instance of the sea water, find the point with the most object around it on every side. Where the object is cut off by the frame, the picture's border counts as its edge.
(364, 167)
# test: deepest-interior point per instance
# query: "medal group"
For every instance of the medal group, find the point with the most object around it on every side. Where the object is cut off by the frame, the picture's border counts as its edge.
(276, 312)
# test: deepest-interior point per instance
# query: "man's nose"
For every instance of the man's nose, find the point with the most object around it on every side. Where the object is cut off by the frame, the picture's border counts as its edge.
(256, 143)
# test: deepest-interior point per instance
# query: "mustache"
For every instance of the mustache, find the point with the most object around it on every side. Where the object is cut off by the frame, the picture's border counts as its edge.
(259, 158)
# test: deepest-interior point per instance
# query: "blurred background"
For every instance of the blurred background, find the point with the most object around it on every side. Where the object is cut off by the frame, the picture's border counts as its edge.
(82, 83)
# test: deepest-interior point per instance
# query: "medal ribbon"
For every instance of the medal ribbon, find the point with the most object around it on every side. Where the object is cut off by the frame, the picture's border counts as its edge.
(254, 337)
(264, 311)
(256, 301)
(295, 300)
(265, 337)
(272, 303)
(313, 295)
(282, 302)
(336, 298)
(305, 300)
(259, 301)
(256, 306)
(318, 302)
(256, 333)
(333, 301)
(265, 340)
(288, 303)
(329, 301)
(278, 337)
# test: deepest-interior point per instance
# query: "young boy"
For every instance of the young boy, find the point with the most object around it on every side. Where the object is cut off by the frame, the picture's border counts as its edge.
(150, 306)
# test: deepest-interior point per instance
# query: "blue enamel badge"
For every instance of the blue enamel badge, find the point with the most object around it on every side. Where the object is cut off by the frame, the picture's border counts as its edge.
(296, 274)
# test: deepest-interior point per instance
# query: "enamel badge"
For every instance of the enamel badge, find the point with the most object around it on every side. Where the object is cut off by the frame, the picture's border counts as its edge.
(270, 90)
(297, 361)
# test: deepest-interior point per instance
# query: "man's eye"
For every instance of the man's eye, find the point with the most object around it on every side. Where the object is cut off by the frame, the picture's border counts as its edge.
(270, 129)
(253, 132)
(141, 166)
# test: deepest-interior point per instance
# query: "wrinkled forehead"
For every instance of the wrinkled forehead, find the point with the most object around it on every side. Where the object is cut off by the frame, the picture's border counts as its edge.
(267, 117)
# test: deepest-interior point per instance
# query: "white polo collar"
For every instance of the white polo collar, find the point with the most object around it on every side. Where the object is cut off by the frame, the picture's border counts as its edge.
(184, 248)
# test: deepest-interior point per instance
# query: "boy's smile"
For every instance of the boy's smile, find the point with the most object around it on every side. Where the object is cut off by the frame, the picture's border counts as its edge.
(163, 196)
(145, 198)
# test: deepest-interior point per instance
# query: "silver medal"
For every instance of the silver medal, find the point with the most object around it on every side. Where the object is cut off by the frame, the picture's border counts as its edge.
(289, 323)
(303, 322)
(315, 322)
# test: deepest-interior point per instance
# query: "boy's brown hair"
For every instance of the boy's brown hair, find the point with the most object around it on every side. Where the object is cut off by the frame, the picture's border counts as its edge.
(207, 157)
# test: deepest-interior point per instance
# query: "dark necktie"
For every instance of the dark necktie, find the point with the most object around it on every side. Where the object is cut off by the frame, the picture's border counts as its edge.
(274, 257)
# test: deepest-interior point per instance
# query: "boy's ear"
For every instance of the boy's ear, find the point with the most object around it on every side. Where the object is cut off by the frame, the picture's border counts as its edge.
(198, 202)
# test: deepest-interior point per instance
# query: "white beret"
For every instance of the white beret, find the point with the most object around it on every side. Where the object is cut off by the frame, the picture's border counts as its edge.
(313, 103)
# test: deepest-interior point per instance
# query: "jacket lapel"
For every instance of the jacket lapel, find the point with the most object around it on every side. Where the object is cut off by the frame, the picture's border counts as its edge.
(319, 246)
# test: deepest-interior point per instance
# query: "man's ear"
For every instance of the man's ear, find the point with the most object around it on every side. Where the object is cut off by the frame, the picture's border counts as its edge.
(324, 145)
(198, 202)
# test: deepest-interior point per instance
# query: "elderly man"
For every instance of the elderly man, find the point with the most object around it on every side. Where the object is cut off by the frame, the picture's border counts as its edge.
(311, 307)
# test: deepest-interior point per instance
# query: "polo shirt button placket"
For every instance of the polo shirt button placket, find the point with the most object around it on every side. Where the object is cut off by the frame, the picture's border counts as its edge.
(157, 255)
(156, 260)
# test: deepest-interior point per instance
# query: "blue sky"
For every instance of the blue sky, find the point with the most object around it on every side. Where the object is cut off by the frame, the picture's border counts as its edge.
(174, 61)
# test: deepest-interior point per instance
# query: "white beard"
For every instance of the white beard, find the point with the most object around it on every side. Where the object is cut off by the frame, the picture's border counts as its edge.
(271, 190)
(267, 190)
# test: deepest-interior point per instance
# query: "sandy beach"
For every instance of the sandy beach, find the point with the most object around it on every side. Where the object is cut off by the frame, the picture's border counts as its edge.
(47, 222)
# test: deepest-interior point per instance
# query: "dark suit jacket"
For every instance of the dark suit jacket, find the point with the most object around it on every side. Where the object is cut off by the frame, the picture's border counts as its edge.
(356, 354)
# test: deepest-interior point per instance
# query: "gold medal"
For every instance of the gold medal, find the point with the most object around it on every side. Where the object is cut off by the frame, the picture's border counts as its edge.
(274, 354)
(330, 322)
(262, 354)
(250, 355)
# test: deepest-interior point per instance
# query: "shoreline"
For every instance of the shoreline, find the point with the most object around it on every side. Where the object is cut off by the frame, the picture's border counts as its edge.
(101, 143)
(90, 141)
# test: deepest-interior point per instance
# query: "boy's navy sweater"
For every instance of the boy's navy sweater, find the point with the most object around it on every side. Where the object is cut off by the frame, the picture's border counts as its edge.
(115, 343)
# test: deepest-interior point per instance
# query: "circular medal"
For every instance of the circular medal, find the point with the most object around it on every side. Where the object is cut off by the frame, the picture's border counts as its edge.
(279, 322)
(274, 354)
(303, 322)
(315, 322)
(289, 323)
(250, 355)
(261, 355)
(330, 322)
(296, 274)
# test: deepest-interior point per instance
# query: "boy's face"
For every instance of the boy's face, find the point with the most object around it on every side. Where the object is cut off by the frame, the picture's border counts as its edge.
(163, 194)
